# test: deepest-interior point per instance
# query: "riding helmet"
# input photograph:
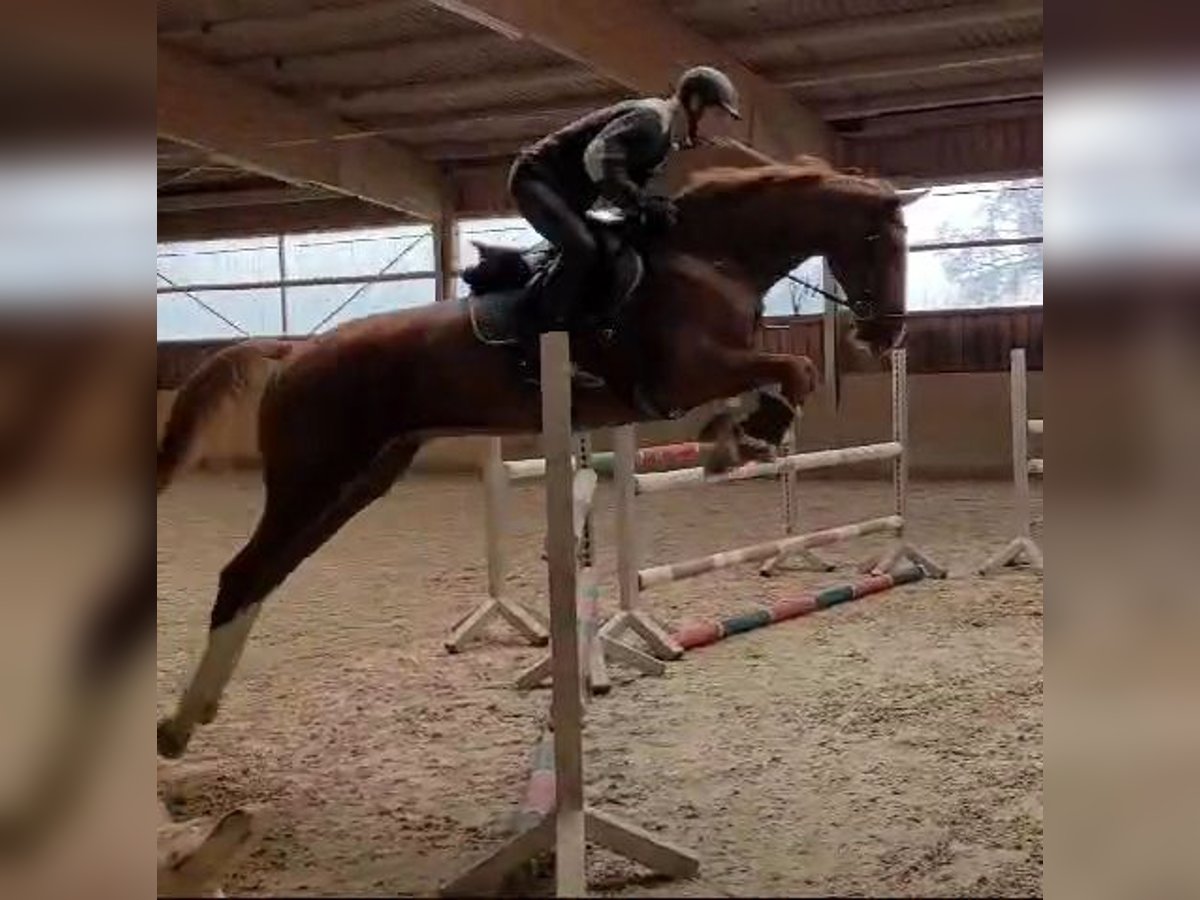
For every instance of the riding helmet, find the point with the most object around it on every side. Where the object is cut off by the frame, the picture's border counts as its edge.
(711, 86)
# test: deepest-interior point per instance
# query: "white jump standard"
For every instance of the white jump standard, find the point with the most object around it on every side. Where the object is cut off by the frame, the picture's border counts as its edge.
(1022, 548)
(572, 823)
(901, 549)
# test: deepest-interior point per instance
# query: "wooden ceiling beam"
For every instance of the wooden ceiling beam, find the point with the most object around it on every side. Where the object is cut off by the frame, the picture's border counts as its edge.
(884, 27)
(274, 218)
(253, 127)
(184, 202)
(643, 47)
(559, 83)
(181, 15)
(488, 123)
(974, 152)
(947, 117)
(872, 105)
(315, 30)
(481, 190)
(404, 62)
(881, 67)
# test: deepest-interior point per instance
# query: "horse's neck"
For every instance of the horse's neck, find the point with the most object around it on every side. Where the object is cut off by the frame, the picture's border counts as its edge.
(747, 238)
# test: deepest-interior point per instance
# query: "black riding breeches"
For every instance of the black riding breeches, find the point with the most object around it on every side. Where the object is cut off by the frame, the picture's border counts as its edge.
(542, 203)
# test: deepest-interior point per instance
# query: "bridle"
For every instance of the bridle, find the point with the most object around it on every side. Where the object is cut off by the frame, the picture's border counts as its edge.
(862, 307)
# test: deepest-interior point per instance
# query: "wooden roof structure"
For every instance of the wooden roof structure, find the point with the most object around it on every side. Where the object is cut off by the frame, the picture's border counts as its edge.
(293, 115)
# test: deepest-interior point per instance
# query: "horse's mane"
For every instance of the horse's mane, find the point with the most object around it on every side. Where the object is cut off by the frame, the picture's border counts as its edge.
(721, 182)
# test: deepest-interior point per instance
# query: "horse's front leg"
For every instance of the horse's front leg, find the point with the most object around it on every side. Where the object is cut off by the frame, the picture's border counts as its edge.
(797, 378)
(709, 372)
(760, 434)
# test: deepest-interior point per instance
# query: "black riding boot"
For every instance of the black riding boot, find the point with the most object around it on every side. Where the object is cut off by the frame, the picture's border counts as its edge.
(556, 301)
(559, 294)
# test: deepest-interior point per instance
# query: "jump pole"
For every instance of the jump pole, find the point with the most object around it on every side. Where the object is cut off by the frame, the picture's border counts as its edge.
(1022, 548)
(521, 620)
(572, 823)
(660, 458)
(702, 634)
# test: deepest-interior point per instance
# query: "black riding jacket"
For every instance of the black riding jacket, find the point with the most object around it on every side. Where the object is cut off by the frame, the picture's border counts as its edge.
(611, 153)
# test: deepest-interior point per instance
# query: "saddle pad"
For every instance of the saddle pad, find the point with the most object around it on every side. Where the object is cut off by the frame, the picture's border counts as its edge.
(495, 316)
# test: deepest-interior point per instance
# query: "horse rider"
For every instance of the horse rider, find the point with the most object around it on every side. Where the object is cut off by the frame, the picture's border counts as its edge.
(611, 153)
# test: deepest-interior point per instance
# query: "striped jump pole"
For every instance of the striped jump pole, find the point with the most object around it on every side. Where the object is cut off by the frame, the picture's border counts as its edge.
(657, 482)
(702, 634)
(656, 575)
(538, 801)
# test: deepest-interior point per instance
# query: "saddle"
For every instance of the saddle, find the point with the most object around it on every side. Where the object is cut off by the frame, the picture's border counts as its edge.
(503, 302)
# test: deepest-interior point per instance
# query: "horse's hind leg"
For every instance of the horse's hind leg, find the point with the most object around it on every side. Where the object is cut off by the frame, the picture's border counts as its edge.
(298, 518)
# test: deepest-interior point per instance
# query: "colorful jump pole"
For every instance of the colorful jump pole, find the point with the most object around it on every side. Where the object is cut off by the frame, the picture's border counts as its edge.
(703, 633)
(662, 458)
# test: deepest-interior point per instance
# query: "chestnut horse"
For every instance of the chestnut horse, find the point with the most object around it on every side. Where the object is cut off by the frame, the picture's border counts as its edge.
(343, 414)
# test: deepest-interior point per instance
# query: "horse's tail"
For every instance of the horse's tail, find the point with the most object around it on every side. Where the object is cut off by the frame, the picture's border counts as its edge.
(215, 384)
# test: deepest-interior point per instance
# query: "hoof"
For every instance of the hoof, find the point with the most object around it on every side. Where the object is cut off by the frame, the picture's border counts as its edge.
(755, 450)
(171, 743)
(721, 458)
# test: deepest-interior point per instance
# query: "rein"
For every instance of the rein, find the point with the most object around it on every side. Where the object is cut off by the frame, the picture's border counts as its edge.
(860, 308)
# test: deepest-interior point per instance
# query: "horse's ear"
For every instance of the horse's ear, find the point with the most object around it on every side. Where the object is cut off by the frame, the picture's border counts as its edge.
(907, 197)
